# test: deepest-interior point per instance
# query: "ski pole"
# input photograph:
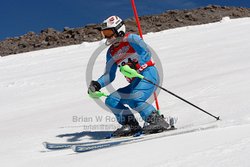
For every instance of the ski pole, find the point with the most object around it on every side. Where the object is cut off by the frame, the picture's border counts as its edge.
(131, 73)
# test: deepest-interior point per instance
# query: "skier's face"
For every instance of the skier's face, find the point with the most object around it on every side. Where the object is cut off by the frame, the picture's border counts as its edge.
(111, 37)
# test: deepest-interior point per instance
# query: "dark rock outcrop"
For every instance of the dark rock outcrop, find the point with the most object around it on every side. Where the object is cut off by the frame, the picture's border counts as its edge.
(50, 38)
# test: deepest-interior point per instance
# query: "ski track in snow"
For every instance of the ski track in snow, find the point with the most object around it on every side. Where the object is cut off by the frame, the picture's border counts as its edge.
(209, 65)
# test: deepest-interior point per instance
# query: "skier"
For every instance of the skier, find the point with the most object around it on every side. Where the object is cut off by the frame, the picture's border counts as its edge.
(129, 49)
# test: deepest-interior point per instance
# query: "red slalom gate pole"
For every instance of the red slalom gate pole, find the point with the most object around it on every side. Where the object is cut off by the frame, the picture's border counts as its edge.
(140, 33)
(137, 18)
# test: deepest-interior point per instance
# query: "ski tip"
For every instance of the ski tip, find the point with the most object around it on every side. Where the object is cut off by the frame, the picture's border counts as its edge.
(74, 148)
(218, 118)
(45, 144)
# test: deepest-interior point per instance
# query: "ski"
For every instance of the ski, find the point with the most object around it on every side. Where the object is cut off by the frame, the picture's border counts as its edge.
(58, 146)
(85, 148)
(124, 141)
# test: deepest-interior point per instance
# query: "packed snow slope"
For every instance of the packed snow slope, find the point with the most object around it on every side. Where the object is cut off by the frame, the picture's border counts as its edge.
(43, 92)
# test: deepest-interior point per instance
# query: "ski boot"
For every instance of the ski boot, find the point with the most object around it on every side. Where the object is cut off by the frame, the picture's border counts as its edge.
(157, 124)
(130, 128)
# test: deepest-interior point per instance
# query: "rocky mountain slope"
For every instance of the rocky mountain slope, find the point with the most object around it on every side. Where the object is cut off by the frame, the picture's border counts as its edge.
(50, 38)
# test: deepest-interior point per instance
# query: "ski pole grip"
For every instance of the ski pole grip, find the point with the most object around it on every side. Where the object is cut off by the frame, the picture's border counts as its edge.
(97, 94)
(129, 72)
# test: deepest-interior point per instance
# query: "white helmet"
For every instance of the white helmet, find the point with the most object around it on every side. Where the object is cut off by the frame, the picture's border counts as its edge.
(116, 24)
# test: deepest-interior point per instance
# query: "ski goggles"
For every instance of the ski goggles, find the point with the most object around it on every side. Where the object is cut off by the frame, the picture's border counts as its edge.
(107, 33)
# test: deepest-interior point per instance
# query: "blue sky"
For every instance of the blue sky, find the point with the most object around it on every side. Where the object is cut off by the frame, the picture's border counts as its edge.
(17, 17)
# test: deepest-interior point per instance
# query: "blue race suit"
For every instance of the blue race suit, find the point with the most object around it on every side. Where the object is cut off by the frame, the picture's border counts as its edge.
(138, 91)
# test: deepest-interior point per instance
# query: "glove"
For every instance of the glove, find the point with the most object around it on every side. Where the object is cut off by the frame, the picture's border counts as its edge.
(133, 63)
(94, 86)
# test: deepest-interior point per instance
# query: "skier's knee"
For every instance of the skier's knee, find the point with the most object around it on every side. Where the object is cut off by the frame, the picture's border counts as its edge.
(144, 108)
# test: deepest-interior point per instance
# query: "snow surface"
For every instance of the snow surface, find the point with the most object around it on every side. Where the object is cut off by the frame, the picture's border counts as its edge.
(42, 91)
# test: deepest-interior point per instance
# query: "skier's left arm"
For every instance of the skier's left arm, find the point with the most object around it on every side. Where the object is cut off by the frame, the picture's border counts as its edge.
(140, 47)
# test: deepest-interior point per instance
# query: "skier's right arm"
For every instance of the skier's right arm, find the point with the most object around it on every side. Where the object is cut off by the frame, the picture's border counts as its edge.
(110, 71)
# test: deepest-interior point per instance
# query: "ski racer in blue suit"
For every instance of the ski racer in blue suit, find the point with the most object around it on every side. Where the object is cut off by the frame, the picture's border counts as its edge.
(129, 49)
